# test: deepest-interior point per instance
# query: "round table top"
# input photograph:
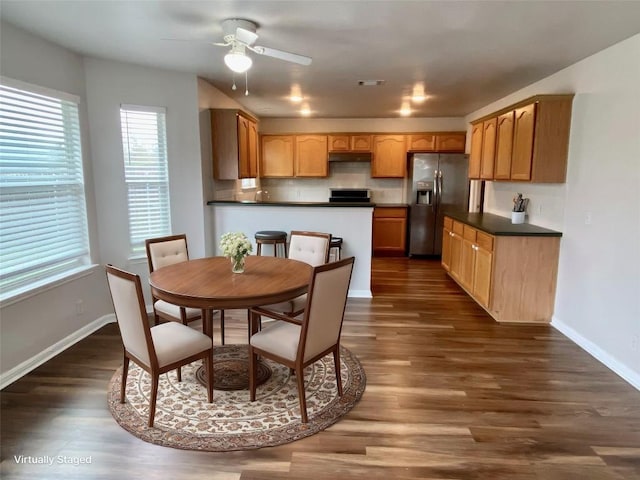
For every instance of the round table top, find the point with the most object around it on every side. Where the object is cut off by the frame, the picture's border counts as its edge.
(208, 283)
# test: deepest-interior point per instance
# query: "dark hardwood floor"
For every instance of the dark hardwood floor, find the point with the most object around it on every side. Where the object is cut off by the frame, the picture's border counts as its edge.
(450, 395)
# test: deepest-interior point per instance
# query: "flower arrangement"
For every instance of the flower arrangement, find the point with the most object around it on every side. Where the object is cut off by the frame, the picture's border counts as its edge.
(236, 246)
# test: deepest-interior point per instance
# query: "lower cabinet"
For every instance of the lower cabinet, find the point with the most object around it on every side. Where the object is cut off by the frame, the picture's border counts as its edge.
(389, 231)
(512, 277)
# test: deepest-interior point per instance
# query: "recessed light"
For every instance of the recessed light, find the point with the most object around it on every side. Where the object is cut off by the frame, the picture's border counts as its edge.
(296, 94)
(305, 111)
(370, 83)
(405, 110)
(418, 95)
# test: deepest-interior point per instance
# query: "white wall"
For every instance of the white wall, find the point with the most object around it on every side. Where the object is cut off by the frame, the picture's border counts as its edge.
(110, 84)
(33, 325)
(598, 293)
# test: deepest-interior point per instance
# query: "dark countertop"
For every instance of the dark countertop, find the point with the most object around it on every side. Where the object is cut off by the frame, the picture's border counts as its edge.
(291, 204)
(501, 226)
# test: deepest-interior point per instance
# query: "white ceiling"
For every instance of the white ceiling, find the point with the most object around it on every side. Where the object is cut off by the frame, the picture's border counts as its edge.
(467, 53)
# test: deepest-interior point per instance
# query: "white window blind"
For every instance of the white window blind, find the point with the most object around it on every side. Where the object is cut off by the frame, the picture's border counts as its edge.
(144, 141)
(43, 220)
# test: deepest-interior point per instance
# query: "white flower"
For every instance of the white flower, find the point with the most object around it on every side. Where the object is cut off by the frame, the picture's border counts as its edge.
(235, 245)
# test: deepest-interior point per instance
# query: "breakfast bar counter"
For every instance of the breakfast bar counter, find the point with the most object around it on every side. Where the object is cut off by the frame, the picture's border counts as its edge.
(500, 226)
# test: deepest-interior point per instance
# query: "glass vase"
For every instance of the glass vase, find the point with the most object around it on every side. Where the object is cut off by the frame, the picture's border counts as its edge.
(237, 264)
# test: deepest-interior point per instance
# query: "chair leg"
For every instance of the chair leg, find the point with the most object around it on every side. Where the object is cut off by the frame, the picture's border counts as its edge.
(209, 368)
(301, 395)
(179, 373)
(222, 326)
(125, 372)
(336, 363)
(154, 396)
(253, 371)
(156, 318)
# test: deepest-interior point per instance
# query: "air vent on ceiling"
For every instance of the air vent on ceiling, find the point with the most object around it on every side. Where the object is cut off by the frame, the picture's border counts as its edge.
(370, 83)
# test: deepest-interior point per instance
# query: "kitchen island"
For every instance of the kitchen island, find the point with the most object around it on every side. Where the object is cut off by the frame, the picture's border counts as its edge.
(350, 221)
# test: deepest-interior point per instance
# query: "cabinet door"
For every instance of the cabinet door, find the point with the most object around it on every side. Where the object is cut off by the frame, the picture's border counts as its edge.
(446, 249)
(475, 157)
(360, 143)
(488, 148)
(311, 156)
(524, 123)
(247, 148)
(425, 142)
(482, 276)
(456, 256)
(389, 156)
(339, 143)
(277, 156)
(467, 261)
(504, 147)
(450, 142)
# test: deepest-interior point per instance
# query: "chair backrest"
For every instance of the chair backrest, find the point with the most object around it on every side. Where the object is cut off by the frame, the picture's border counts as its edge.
(128, 304)
(163, 251)
(326, 301)
(309, 247)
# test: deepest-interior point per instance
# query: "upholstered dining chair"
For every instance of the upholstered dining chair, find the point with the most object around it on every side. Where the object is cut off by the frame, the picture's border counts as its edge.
(299, 342)
(157, 349)
(312, 248)
(163, 251)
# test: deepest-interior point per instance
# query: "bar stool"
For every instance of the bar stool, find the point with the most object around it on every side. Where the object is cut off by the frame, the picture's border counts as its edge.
(271, 237)
(335, 249)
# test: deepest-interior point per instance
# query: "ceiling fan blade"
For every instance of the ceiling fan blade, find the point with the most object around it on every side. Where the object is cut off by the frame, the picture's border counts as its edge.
(287, 56)
(245, 36)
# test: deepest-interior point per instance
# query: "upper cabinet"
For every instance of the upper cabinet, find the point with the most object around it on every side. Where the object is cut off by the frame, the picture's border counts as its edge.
(234, 143)
(311, 156)
(276, 159)
(349, 143)
(488, 148)
(531, 141)
(436, 142)
(389, 156)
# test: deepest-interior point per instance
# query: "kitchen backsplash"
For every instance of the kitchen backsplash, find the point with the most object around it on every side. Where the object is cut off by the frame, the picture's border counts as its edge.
(344, 175)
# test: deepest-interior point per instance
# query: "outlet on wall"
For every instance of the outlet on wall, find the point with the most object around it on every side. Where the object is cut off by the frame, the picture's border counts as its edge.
(79, 307)
(635, 343)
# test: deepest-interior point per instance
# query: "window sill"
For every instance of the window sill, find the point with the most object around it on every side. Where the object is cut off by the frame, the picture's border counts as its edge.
(18, 295)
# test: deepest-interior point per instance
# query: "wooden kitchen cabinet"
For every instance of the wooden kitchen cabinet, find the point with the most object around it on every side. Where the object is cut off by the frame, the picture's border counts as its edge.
(453, 142)
(513, 277)
(539, 145)
(504, 147)
(488, 148)
(349, 143)
(389, 231)
(276, 159)
(389, 156)
(311, 156)
(234, 144)
(421, 142)
(475, 156)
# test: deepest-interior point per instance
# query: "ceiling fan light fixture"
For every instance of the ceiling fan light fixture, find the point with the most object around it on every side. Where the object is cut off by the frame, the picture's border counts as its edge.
(238, 61)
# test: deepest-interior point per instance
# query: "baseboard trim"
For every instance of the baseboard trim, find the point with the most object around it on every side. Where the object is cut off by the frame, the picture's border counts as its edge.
(34, 362)
(360, 294)
(631, 377)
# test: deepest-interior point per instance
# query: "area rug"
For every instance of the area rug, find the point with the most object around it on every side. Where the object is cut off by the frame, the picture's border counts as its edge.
(185, 420)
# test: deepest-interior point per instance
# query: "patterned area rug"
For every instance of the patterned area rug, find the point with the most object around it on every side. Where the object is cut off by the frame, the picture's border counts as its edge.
(184, 419)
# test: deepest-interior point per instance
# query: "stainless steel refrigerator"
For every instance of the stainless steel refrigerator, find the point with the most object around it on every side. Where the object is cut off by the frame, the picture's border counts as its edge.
(438, 182)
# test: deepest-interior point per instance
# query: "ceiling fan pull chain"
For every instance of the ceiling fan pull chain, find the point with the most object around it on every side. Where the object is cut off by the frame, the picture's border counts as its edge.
(233, 87)
(246, 85)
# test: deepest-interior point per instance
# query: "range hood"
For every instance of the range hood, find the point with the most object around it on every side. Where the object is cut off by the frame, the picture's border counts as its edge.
(350, 156)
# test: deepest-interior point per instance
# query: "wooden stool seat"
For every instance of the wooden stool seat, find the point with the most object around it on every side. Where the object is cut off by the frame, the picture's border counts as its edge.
(271, 237)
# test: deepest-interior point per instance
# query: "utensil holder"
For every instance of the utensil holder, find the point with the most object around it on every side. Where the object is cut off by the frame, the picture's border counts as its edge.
(517, 217)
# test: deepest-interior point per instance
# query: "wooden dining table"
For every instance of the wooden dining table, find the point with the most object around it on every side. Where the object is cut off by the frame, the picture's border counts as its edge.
(209, 284)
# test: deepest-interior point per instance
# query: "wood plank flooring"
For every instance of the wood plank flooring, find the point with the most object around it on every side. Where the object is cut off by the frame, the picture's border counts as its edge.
(450, 394)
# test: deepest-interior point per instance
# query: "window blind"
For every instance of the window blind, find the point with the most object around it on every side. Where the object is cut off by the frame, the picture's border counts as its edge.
(144, 141)
(43, 220)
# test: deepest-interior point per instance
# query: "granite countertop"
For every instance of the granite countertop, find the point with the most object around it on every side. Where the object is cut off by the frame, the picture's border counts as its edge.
(290, 204)
(501, 226)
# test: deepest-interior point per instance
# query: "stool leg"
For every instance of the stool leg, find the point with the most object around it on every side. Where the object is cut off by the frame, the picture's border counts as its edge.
(275, 249)
(259, 248)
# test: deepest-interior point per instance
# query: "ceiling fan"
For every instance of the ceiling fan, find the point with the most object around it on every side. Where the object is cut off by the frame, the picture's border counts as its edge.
(240, 35)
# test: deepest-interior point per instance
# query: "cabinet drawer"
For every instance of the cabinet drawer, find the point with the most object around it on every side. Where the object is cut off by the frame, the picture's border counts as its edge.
(448, 223)
(484, 241)
(458, 227)
(469, 233)
(389, 212)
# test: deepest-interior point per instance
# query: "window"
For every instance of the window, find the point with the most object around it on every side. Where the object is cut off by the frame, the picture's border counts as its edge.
(43, 219)
(144, 142)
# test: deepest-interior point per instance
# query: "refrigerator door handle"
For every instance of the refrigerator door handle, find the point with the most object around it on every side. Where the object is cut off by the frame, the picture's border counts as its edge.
(440, 185)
